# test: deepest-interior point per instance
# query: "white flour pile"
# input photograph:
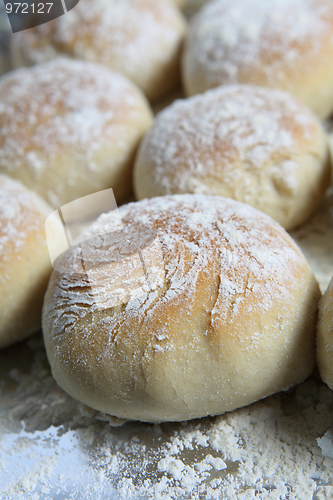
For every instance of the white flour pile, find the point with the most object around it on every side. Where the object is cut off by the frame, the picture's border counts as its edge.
(281, 447)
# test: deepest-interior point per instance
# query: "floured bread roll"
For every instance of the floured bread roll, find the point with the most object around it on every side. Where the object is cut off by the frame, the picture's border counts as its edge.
(140, 39)
(25, 265)
(70, 128)
(285, 44)
(199, 305)
(256, 145)
(325, 336)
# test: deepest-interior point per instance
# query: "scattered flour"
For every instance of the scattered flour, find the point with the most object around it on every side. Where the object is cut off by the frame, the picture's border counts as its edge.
(277, 449)
(65, 111)
(242, 142)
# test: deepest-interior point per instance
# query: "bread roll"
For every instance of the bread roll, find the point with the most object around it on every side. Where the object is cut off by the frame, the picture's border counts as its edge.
(325, 336)
(256, 145)
(285, 44)
(25, 265)
(70, 128)
(140, 39)
(199, 305)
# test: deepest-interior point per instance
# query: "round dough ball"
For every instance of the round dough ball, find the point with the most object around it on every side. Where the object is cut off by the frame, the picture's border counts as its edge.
(200, 305)
(140, 39)
(70, 128)
(25, 264)
(325, 337)
(256, 145)
(285, 44)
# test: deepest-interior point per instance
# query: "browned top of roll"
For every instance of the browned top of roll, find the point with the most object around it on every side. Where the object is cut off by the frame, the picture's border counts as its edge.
(286, 44)
(65, 111)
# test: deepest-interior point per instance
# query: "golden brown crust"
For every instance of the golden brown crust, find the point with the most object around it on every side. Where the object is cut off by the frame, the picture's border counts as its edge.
(25, 265)
(286, 45)
(229, 320)
(70, 128)
(325, 336)
(140, 39)
(256, 145)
